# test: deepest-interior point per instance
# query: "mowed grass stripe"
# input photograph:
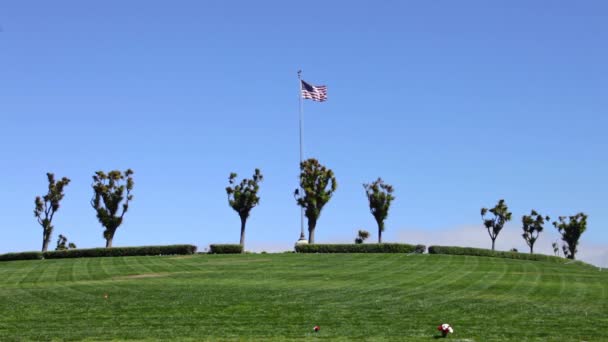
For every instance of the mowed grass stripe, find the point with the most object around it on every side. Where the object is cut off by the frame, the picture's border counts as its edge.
(397, 281)
(95, 270)
(15, 271)
(468, 284)
(416, 303)
(124, 267)
(437, 277)
(135, 265)
(527, 312)
(155, 264)
(32, 274)
(176, 264)
(81, 270)
(342, 292)
(512, 299)
(526, 309)
(344, 302)
(280, 297)
(65, 271)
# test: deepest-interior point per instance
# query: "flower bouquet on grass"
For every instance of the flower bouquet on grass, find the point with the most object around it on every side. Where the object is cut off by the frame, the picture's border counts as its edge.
(445, 329)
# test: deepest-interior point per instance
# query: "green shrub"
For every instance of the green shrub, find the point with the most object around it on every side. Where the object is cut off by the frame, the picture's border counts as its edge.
(225, 249)
(121, 251)
(356, 248)
(489, 253)
(21, 256)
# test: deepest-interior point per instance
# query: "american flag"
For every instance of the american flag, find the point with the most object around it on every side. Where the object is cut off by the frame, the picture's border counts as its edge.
(315, 93)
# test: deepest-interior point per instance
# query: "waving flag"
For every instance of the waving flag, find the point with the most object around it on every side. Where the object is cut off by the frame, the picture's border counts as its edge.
(315, 93)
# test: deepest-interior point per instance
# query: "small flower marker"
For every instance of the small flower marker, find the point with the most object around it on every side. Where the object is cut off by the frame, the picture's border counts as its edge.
(445, 329)
(316, 328)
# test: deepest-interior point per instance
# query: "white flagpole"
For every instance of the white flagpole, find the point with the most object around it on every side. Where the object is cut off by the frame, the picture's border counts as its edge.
(302, 236)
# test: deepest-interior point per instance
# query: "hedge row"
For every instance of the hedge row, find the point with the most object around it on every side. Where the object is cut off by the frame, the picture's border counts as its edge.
(21, 256)
(360, 248)
(225, 249)
(102, 252)
(490, 253)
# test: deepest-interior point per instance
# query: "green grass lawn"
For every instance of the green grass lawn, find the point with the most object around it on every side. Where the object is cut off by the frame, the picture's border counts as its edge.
(265, 297)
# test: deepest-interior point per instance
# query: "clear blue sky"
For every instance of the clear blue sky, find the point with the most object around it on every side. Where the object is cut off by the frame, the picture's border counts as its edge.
(457, 104)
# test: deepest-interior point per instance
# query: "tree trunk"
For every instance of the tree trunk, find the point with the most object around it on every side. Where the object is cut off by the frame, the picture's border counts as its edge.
(493, 244)
(243, 221)
(380, 229)
(311, 230)
(571, 250)
(109, 235)
(46, 238)
(531, 249)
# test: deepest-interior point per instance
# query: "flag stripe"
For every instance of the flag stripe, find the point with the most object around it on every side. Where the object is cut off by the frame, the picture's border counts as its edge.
(315, 93)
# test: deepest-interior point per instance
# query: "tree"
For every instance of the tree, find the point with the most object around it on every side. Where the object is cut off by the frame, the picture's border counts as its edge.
(380, 196)
(494, 225)
(532, 225)
(361, 236)
(47, 205)
(318, 184)
(112, 192)
(571, 228)
(61, 243)
(243, 197)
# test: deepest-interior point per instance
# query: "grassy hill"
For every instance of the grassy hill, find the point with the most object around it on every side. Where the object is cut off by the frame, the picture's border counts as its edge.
(265, 297)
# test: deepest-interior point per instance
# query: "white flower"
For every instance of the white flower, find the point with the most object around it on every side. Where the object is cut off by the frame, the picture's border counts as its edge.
(446, 328)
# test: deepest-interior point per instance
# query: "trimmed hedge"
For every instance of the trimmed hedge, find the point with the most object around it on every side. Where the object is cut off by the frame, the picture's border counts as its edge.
(225, 249)
(489, 253)
(357, 248)
(121, 251)
(21, 256)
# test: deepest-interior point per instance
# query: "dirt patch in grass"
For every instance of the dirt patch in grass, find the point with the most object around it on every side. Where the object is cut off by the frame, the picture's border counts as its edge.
(142, 276)
(237, 261)
(182, 257)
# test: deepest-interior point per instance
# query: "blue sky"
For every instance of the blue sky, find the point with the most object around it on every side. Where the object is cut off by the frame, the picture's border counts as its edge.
(457, 104)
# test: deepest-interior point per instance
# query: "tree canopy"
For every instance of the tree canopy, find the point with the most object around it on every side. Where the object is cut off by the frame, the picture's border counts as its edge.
(243, 197)
(47, 205)
(494, 225)
(380, 196)
(571, 228)
(318, 184)
(111, 198)
(532, 226)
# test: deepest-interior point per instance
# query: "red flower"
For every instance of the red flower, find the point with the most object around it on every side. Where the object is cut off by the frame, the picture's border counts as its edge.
(316, 328)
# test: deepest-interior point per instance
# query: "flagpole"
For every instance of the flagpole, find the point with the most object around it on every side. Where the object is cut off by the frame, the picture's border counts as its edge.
(302, 236)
